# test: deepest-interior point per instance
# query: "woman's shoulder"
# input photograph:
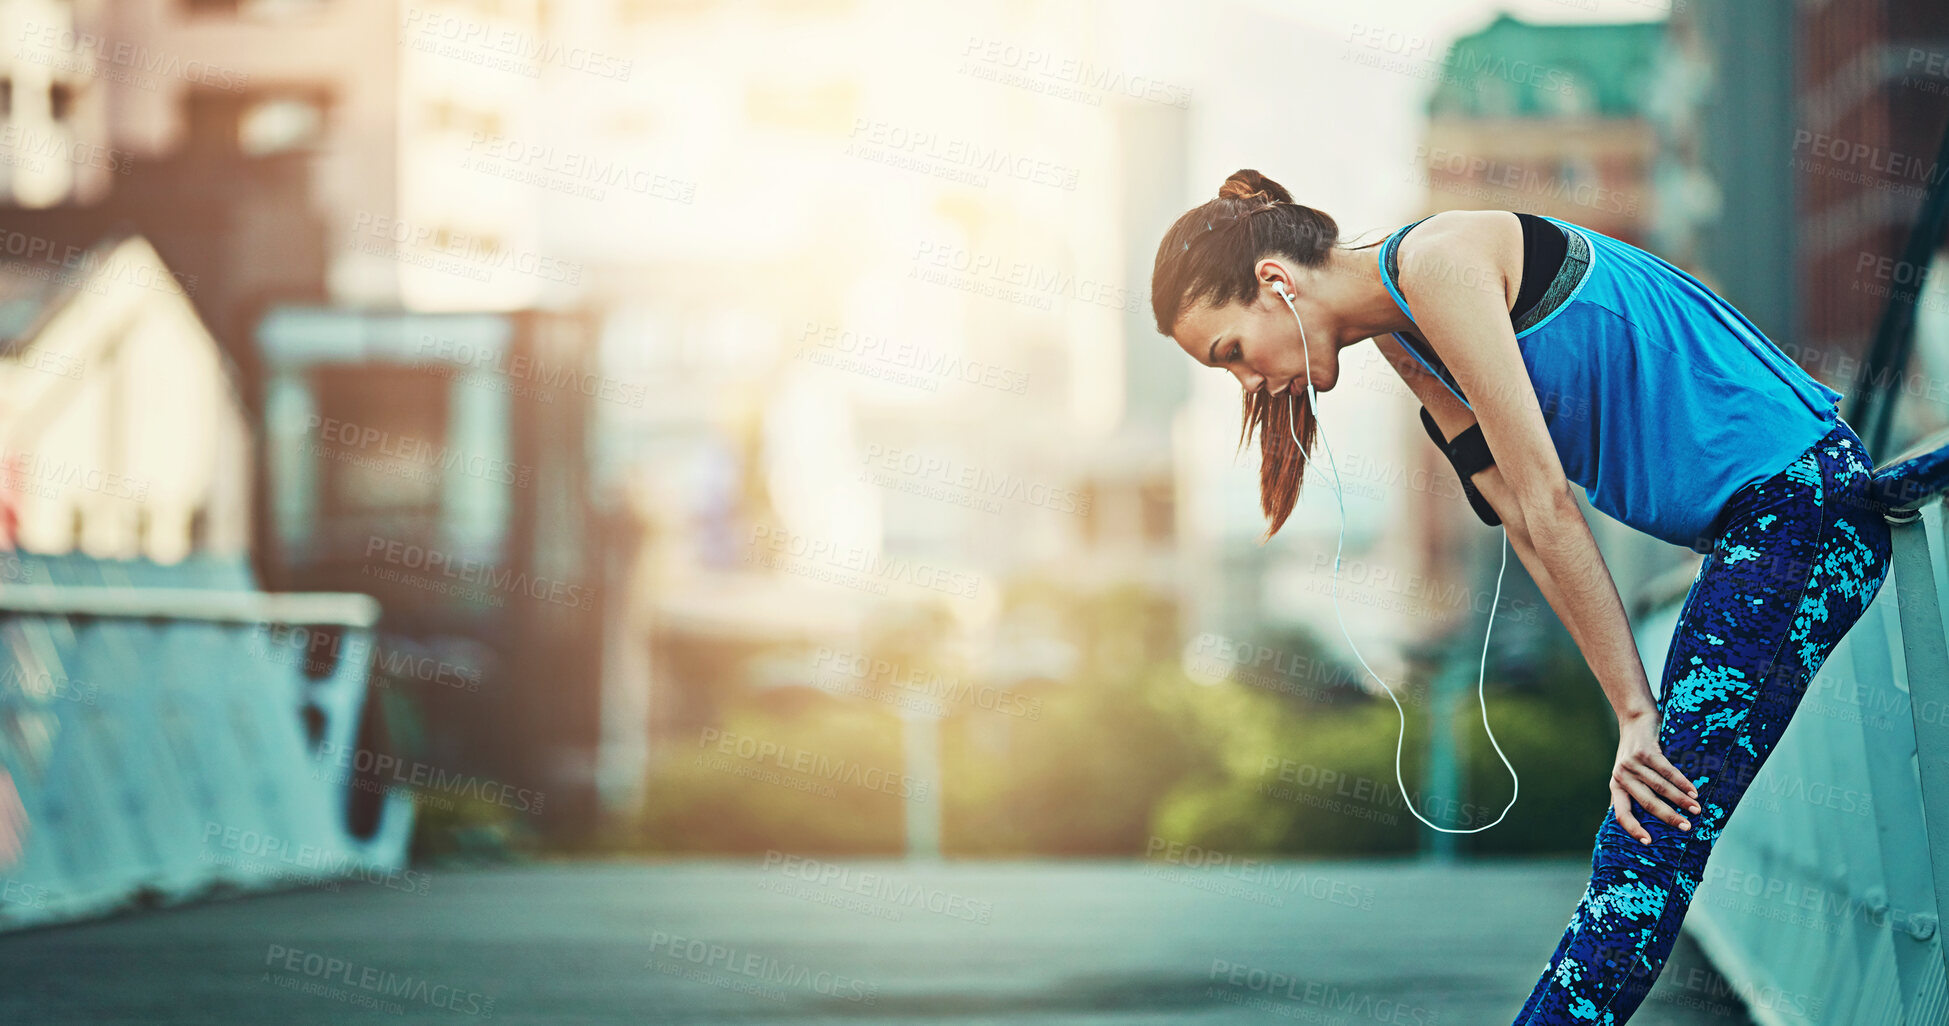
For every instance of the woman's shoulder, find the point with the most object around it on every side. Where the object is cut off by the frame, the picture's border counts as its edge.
(1481, 225)
(1468, 246)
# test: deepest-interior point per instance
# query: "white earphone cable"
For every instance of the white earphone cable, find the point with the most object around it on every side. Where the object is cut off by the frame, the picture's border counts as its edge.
(1340, 497)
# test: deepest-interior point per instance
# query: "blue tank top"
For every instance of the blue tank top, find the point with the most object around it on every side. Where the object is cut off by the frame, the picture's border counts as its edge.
(1662, 400)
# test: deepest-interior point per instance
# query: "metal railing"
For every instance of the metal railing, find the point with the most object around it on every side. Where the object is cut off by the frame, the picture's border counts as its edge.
(172, 732)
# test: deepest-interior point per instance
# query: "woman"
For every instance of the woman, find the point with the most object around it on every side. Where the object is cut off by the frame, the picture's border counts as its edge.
(1590, 362)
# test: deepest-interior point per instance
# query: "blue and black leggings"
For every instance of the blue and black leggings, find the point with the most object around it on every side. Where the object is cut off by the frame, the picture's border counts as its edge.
(1797, 559)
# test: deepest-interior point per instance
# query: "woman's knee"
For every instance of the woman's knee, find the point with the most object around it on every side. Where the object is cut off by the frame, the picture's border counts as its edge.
(1620, 856)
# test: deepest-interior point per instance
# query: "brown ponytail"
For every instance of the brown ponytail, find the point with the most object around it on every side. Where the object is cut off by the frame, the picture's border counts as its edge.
(1208, 256)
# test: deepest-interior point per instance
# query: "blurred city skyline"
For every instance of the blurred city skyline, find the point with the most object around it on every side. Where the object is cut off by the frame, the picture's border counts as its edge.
(607, 434)
(735, 334)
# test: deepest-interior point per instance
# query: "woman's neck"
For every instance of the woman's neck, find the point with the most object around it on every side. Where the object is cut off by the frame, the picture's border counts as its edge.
(1352, 286)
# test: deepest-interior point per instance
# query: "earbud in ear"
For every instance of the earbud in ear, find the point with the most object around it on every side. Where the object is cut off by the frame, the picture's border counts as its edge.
(1280, 287)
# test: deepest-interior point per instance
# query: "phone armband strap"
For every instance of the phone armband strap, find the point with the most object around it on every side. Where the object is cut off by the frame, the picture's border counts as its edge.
(1470, 455)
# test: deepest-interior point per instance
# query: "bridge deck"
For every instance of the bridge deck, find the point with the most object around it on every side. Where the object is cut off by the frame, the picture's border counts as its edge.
(800, 942)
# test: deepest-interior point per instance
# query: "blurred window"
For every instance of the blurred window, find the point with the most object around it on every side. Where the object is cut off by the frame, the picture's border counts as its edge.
(445, 238)
(261, 10)
(803, 8)
(1918, 411)
(1159, 506)
(1572, 95)
(828, 108)
(1494, 98)
(1578, 172)
(447, 115)
(280, 125)
(640, 12)
(380, 441)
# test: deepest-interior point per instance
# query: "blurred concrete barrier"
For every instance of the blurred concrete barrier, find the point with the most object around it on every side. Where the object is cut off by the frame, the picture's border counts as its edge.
(168, 733)
(1819, 900)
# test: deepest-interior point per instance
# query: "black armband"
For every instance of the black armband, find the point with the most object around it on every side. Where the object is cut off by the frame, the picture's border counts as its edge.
(1470, 456)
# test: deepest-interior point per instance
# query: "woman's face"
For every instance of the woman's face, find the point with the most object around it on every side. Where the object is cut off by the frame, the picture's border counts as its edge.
(1259, 342)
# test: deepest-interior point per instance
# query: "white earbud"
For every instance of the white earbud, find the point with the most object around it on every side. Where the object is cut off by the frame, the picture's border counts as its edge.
(1482, 672)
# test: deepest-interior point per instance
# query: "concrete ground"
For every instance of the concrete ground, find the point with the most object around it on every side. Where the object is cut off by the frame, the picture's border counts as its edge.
(790, 940)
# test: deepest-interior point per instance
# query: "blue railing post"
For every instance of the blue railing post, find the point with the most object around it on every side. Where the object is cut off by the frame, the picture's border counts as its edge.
(1925, 651)
(1443, 780)
(922, 736)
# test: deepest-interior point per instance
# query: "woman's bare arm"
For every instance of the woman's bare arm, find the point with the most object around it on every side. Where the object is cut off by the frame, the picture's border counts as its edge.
(1641, 771)
(1461, 295)
(1468, 325)
(1452, 418)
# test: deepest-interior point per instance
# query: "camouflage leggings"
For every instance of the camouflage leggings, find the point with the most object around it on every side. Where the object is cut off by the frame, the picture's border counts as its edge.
(1797, 560)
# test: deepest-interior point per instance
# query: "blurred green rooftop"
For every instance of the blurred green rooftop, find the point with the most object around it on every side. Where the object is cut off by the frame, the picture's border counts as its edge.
(1515, 68)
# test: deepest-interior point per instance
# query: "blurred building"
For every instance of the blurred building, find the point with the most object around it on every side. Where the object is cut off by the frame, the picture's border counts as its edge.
(54, 145)
(1872, 92)
(1548, 119)
(913, 368)
(1727, 113)
(299, 165)
(286, 151)
(439, 463)
(121, 432)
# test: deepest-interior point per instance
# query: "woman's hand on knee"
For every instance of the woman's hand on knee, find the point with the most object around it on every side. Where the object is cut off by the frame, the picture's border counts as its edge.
(1642, 773)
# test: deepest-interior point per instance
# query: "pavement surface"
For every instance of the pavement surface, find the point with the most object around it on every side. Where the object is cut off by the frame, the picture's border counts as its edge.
(787, 941)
